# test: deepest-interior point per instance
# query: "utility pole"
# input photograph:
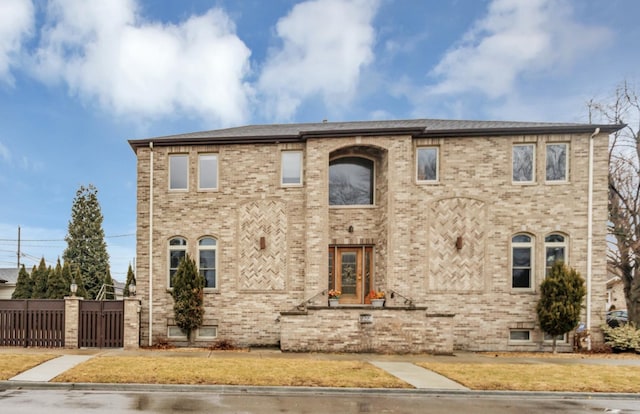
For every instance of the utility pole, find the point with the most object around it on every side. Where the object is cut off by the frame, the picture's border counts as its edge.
(18, 247)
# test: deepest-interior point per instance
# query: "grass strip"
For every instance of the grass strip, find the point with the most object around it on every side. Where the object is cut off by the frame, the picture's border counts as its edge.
(13, 364)
(541, 377)
(231, 371)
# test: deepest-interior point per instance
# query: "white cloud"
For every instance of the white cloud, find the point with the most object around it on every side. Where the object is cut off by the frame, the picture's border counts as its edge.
(4, 153)
(325, 45)
(106, 52)
(16, 23)
(515, 38)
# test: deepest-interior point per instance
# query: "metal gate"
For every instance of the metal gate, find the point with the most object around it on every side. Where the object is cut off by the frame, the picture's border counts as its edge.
(101, 324)
(37, 322)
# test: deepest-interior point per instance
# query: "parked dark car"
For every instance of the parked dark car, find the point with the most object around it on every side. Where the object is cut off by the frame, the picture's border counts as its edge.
(616, 318)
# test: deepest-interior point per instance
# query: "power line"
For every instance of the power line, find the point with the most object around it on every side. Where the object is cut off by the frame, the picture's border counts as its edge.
(59, 240)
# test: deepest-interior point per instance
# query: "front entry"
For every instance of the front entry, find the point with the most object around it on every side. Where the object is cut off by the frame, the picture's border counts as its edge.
(350, 271)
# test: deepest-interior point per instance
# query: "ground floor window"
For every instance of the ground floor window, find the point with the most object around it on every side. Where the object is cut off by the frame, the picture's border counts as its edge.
(519, 335)
(351, 272)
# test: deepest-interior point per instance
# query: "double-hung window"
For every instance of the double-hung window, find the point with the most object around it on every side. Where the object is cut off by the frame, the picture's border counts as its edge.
(208, 171)
(523, 163)
(291, 168)
(557, 163)
(555, 250)
(207, 248)
(427, 164)
(178, 172)
(177, 252)
(521, 261)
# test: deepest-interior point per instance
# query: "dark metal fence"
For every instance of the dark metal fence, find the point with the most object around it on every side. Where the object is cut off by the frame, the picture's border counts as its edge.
(101, 324)
(32, 322)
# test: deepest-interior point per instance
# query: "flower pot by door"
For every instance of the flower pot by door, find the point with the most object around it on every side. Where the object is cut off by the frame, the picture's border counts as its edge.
(377, 303)
(333, 302)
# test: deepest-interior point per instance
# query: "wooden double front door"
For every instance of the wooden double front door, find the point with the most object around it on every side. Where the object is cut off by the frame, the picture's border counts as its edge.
(351, 272)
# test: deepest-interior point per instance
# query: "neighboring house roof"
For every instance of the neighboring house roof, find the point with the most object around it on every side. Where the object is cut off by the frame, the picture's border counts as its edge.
(419, 128)
(8, 276)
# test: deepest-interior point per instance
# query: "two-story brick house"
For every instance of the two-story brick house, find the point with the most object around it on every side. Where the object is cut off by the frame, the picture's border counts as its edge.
(456, 221)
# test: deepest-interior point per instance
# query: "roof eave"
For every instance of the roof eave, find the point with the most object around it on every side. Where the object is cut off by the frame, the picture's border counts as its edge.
(541, 130)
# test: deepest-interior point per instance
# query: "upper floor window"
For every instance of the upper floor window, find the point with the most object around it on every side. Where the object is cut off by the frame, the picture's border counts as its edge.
(556, 162)
(427, 164)
(177, 252)
(207, 248)
(521, 261)
(291, 168)
(208, 171)
(350, 181)
(178, 171)
(555, 250)
(523, 163)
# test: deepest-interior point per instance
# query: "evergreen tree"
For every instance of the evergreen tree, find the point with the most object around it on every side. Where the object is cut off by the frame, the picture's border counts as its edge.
(110, 292)
(131, 279)
(188, 296)
(86, 247)
(58, 286)
(73, 277)
(40, 276)
(561, 295)
(24, 285)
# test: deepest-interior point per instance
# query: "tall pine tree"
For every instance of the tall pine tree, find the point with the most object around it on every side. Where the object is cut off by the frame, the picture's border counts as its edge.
(131, 279)
(561, 295)
(188, 296)
(86, 247)
(24, 285)
(71, 276)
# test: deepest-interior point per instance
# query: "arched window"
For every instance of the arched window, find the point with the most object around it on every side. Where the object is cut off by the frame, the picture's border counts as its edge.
(555, 246)
(350, 181)
(207, 248)
(521, 261)
(177, 251)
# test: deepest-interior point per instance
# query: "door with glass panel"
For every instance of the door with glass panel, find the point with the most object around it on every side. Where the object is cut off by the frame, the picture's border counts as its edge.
(350, 271)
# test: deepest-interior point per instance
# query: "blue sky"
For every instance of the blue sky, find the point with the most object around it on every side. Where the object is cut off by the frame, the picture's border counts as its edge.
(78, 78)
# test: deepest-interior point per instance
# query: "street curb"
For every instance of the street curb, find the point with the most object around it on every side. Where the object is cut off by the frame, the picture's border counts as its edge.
(268, 390)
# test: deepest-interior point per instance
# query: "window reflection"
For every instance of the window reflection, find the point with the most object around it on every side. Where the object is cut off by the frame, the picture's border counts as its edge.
(350, 181)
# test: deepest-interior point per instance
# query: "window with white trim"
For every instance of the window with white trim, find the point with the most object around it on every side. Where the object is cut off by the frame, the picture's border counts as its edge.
(207, 248)
(208, 171)
(556, 162)
(177, 252)
(523, 163)
(555, 246)
(427, 164)
(521, 261)
(178, 172)
(291, 168)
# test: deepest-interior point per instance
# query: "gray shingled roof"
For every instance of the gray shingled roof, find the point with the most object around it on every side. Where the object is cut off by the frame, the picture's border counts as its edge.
(9, 275)
(415, 127)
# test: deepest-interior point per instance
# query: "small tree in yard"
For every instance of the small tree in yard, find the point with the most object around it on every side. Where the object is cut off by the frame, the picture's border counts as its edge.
(24, 285)
(131, 279)
(561, 295)
(58, 286)
(188, 296)
(40, 276)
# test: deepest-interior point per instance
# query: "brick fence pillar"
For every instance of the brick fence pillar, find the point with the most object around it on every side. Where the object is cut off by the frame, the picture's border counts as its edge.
(131, 323)
(71, 321)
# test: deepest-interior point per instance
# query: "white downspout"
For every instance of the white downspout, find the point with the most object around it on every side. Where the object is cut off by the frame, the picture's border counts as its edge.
(590, 235)
(151, 243)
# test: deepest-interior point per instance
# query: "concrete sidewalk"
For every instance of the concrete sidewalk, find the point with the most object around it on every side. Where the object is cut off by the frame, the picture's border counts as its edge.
(48, 370)
(417, 376)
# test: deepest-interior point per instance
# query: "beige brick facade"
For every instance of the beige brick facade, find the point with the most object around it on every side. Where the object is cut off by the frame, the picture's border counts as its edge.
(413, 228)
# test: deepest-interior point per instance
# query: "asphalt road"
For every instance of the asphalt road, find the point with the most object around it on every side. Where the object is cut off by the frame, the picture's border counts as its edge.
(55, 401)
